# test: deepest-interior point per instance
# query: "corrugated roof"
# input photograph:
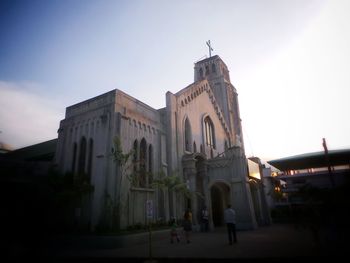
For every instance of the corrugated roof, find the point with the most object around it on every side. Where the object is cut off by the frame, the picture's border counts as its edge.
(312, 160)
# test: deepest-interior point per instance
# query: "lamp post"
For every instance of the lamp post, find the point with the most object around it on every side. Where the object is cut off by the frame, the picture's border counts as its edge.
(328, 162)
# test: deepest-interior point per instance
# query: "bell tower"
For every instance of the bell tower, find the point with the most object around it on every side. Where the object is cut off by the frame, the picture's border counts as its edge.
(216, 72)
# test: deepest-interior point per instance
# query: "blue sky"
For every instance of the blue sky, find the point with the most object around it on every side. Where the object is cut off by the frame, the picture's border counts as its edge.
(289, 61)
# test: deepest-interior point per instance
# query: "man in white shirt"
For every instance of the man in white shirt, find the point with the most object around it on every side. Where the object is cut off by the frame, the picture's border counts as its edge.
(230, 220)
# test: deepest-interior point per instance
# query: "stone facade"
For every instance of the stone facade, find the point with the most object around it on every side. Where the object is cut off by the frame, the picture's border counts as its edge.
(196, 136)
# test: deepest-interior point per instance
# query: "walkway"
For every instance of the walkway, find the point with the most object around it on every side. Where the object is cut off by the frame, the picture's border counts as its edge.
(279, 241)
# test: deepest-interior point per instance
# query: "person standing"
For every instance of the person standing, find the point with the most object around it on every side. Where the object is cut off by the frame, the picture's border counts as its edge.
(230, 220)
(187, 224)
(205, 219)
(173, 231)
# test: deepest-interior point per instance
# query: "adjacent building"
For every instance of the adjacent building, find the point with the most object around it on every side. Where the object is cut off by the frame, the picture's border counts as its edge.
(317, 169)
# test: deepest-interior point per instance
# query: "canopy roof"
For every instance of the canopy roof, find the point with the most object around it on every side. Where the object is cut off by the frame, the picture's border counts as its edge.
(312, 160)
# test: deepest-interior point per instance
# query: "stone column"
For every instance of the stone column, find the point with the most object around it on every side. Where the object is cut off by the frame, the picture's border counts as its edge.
(189, 173)
(203, 173)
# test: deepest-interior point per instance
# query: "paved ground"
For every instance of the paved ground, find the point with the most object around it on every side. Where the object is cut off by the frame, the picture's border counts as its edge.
(271, 243)
(275, 242)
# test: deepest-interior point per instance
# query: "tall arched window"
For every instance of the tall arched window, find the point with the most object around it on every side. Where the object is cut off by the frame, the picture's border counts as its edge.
(226, 146)
(213, 68)
(194, 147)
(74, 159)
(206, 70)
(134, 157)
(143, 161)
(188, 136)
(201, 73)
(82, 156)
(150, 164)
(209, 132)
(89, 171)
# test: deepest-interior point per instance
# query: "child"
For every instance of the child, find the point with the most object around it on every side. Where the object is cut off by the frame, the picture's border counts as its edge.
(187, 224)
(173, 231)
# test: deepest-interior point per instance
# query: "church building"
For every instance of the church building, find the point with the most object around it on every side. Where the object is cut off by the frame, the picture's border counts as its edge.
(197, 137)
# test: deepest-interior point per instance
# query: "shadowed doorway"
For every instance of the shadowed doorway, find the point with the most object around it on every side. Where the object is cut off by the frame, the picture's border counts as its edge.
(220, 194)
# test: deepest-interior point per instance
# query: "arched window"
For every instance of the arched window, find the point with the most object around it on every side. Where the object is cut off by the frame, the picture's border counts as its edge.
(209, 132)
(213, 68)
(89, 171)
(134, 157)
(74, 159)
(143, 161)
(82, 156)
(206, 70)
(194, 147)
(201, 73)
(188, 135)
(150, 164)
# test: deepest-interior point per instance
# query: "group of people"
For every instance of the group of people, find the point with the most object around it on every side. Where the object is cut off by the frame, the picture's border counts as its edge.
(229, 217)
(187, 227)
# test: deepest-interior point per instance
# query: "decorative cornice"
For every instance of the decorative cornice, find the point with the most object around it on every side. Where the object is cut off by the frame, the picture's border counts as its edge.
(190, 93)
(226, 158)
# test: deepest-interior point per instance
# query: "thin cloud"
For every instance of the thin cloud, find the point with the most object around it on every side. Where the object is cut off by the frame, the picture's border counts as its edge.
(27, 117)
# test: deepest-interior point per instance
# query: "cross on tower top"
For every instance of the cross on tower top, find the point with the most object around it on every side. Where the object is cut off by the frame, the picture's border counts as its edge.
(210, 48)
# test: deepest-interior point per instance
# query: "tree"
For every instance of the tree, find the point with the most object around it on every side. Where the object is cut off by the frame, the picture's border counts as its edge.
(66, 192)
(173, 183)
(122, 161)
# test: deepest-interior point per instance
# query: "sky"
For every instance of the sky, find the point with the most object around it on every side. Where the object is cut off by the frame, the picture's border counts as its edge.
(289, 61)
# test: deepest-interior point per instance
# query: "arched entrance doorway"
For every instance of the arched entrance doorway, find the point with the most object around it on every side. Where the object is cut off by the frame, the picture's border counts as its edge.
(220, 197)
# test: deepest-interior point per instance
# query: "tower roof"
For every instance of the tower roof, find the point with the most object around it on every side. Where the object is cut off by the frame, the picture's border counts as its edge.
(207, 59)
(216, 57)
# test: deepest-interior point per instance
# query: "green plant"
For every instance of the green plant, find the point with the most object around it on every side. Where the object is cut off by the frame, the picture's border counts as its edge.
(69, 188)
(124, 166)
(174, 183)
(122, 160)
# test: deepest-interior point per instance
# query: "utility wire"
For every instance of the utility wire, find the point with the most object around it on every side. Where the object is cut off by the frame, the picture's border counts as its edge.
(250, 144)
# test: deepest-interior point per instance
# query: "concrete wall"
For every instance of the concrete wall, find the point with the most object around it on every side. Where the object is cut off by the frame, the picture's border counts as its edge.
(101, 119)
